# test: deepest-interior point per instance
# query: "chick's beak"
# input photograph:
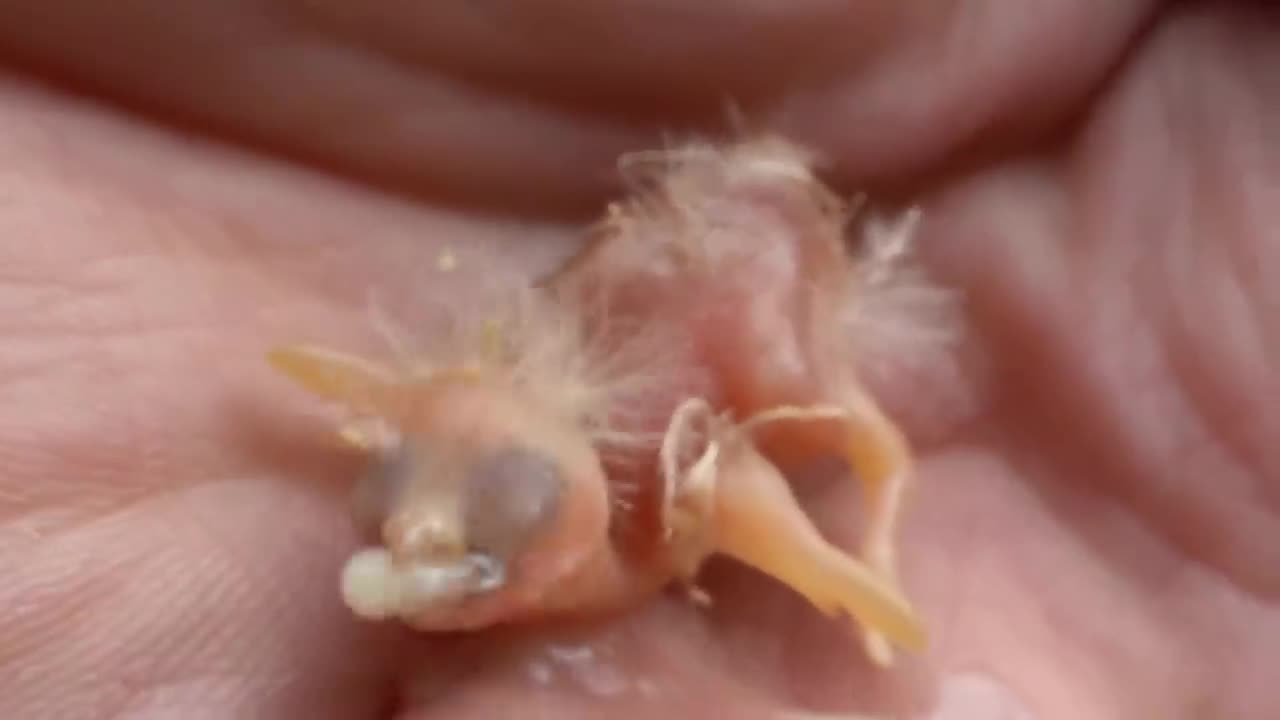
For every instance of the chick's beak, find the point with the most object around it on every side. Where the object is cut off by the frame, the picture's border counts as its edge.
(424, 562)
(375, 587)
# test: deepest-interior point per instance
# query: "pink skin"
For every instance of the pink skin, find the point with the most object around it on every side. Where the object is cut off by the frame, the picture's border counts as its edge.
(1094, 535)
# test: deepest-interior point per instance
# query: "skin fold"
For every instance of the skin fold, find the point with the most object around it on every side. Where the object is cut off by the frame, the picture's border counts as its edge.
(1095, 523)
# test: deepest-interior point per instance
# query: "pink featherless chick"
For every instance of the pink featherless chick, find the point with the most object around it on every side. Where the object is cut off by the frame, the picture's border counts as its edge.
(585, 442)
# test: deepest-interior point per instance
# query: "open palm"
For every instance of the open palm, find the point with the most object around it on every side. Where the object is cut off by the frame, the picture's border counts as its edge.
(1097, 528)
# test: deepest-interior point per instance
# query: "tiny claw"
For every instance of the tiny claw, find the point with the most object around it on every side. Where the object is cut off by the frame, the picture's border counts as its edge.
(357, 437)
(369, 434)
(878, 452)
(359, 384)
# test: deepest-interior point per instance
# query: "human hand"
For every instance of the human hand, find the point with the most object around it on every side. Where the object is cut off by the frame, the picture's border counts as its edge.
(1091, 537)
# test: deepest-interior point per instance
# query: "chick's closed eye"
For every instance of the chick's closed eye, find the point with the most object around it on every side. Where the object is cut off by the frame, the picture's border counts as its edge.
(510, 496)
(501, 499)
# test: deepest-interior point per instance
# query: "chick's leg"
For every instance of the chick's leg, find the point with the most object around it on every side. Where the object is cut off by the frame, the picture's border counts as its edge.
(362, 387)
(733, 501)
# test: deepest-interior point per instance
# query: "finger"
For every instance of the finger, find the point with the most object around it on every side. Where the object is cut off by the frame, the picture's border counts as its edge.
(169, 542)
(485, 106)
(1057, 310)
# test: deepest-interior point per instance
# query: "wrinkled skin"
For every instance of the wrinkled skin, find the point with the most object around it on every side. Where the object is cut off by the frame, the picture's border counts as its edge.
(1097, 528)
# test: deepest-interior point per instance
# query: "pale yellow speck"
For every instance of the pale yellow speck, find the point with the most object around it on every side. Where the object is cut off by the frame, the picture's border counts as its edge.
(447, 261)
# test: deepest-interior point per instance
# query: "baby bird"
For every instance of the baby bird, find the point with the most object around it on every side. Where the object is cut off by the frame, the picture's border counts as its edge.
(587, 441)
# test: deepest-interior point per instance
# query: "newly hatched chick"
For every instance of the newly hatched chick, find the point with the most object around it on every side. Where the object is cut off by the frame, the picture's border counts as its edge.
(597, 437)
